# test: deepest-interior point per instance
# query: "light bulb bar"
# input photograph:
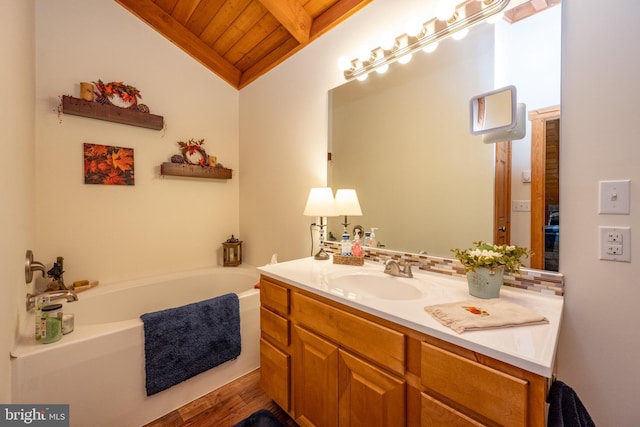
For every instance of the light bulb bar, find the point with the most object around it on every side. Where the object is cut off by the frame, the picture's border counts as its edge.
(466, 14)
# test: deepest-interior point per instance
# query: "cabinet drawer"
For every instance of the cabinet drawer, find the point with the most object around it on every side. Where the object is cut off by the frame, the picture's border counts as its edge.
(274, 326)
(378, 343)
(275, 369)
(495, 395)
(274, 296)
(437, 414)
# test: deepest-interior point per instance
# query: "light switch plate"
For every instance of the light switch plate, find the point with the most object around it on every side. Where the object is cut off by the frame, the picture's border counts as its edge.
(615, 197)
(615, 243)
(521, 205)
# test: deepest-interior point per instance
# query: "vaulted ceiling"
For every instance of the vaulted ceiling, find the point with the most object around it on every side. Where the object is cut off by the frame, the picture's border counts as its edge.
(240, 40)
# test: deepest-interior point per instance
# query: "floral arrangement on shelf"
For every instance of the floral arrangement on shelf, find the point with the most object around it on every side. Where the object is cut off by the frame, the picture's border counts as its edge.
(193, 152)
(491, 256)
(106, 91)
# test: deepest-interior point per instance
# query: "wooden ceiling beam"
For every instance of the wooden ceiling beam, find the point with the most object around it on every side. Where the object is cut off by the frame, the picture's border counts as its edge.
(527, 9)
(539, 4)
(292, 16)
(336, 14)
(154, 16)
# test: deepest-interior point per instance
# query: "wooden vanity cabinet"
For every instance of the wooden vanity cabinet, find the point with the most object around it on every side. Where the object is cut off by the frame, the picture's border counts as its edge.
(275, 343)
(330, 365)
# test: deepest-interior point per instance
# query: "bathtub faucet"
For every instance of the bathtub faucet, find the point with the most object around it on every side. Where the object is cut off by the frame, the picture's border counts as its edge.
(53, 295)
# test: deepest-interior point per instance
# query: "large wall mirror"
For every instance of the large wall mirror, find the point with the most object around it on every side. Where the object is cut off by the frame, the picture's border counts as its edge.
(402, 138)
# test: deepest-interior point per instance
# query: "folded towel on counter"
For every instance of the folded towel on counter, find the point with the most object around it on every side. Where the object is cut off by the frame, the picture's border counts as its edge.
(483, 314)
(182, 342)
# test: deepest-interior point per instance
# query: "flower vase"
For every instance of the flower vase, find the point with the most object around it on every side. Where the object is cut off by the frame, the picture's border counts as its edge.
(484, 282)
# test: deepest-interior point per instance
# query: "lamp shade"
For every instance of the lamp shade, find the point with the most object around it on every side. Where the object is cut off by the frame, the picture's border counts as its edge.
(347, 202)
(321, 203)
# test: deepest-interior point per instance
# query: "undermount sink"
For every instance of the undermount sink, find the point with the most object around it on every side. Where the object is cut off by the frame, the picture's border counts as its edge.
(376, 285)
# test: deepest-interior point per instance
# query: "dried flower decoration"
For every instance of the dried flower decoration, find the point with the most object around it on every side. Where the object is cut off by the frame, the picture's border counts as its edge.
(193, 152)
(127, 93)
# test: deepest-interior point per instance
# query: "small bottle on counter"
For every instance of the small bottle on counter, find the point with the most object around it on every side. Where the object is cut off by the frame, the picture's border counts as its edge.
(51, 325)
(356, 247)
(367, 239)
(41, 301)
(345, 246)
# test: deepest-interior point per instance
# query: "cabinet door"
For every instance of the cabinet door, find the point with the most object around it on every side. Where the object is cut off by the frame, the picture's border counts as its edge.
(369, 397)
(315, 380)
(274, 373)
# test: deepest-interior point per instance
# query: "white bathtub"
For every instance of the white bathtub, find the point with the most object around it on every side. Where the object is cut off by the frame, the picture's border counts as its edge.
(98, 369)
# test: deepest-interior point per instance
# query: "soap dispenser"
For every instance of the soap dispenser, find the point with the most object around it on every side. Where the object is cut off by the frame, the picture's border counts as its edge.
(345, 246)
(370, 238)
(356, 248)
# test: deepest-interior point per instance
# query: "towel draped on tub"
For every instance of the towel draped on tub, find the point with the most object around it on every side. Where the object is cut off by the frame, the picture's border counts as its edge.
(182, 342)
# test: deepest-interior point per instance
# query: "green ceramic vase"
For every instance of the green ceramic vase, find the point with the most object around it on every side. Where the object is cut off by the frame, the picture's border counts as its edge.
(485, 283)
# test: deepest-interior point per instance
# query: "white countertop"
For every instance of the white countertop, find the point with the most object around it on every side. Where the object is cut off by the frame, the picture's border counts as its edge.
(532, 348)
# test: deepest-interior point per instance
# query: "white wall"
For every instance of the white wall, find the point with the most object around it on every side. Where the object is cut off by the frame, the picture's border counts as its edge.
(599, 341)
(528, 56)
(283, 124)
(160, 224)
(283, 131)
(16, 174)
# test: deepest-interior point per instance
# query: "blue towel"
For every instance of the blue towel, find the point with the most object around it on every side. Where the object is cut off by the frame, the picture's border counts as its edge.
(262, 418)
(565, 408)
(182, 342)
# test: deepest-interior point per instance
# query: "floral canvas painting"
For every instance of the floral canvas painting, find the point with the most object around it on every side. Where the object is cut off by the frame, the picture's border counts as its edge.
(108, 165)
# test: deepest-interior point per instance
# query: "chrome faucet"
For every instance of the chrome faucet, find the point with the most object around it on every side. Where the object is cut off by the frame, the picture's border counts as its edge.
(53, 295)
(394, 268)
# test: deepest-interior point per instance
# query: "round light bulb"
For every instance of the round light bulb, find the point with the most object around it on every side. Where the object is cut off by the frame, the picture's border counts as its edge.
(495, 18)
(363, 54)
(363, 77)
(445, 10)
(431, 47)
(414, 26)
(459, 35)
(405, 59)
(387, 41)
(382, 69)
(344, 63)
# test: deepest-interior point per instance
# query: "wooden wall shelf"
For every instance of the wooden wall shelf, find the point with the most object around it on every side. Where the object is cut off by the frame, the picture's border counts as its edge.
(183, 169)
(110, 113)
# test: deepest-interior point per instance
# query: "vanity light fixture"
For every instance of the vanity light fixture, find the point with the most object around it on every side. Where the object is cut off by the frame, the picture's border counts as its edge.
(347, 204)
(460, 34)
(418, 37)
(321, 203)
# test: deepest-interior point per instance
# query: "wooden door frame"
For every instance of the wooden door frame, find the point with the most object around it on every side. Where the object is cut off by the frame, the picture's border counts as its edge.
(539, 120)
(502, 196)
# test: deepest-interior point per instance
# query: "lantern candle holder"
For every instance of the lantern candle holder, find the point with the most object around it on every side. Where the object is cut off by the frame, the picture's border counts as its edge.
(232, 252)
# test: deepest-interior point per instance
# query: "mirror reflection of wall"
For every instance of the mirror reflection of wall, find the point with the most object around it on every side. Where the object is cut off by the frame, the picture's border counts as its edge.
(402, 139)
(398, 139)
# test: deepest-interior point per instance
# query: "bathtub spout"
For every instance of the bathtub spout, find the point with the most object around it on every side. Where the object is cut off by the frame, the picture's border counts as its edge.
(53, 295)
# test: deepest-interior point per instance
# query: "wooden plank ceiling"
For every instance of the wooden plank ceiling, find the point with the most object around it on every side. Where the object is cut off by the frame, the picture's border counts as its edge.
(239, 40)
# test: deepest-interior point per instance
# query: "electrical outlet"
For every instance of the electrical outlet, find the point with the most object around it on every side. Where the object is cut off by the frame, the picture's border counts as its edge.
(614, 249)
(615, 243)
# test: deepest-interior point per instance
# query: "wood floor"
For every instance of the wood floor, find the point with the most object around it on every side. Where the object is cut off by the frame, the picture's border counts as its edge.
(225, 407)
